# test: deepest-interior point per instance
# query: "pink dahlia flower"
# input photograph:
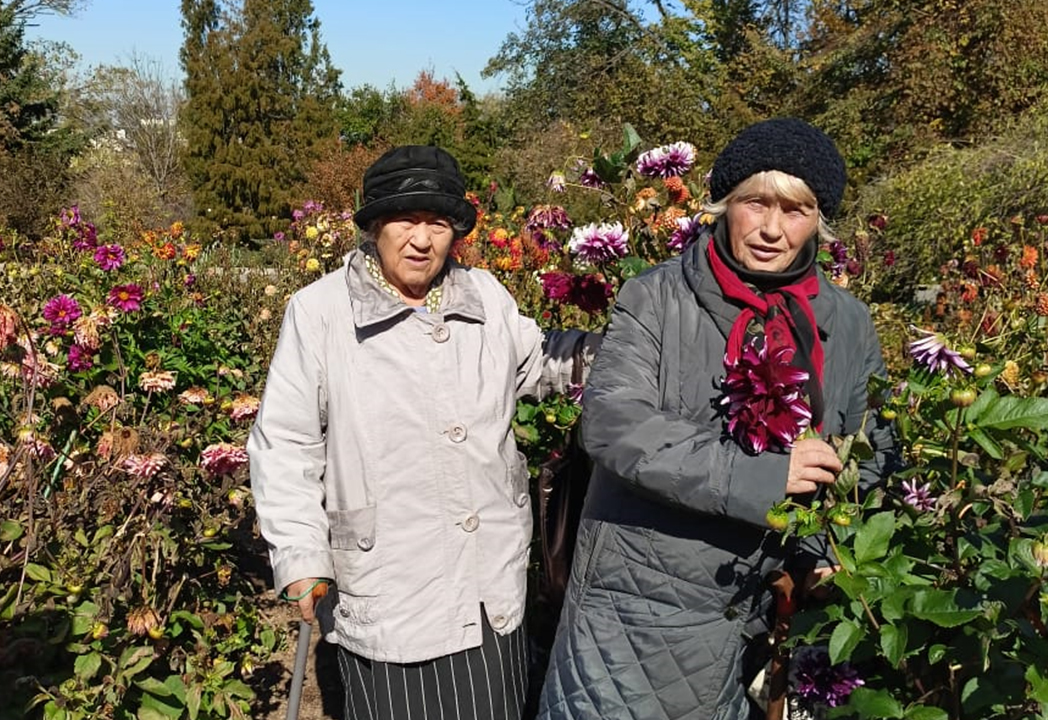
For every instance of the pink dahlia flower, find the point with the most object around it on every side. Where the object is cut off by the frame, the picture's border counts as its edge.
(109, 257)
(61, 311)
(596, 244)
(127, 298)
(667, 161)
(223, 458)
(764, 397)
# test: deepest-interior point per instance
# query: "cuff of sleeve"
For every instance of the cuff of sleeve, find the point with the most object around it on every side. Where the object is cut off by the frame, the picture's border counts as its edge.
(755, 484)
(296, 564)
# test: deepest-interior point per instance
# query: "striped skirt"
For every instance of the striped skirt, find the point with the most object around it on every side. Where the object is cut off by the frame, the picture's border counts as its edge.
(484, 683)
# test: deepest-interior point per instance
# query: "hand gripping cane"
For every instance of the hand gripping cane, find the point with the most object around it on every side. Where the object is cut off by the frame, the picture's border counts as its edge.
(298, 678)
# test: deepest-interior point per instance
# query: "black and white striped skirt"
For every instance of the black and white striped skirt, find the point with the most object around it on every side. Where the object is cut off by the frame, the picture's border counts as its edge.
(484, 683)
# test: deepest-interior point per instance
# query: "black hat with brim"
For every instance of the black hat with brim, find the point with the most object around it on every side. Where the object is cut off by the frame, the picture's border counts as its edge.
(413, 178)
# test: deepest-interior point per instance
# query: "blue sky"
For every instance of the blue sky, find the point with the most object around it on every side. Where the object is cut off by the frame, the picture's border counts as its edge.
(372, 42)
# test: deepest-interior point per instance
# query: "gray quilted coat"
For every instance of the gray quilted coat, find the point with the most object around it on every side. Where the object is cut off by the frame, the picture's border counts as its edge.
(667, 587)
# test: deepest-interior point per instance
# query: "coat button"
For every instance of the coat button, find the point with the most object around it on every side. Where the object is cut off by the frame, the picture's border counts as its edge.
(499, 621)
(471, 523)
(365, 543)
(441, 333)
(522, 499)
(457, 433)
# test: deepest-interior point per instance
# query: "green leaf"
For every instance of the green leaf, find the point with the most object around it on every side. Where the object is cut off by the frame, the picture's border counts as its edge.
(925, 712)
(893, 642)
(10, 530)
(988, 444)
(862, 448)
(38, 573)
(851, 585)
(631, 266)
(1024, 502)
(190, 618)
(7, 602)
(843, 640)
(193, 696)
(873, 538)
(893, 607)
(1038, 684)
(1011, 412)
(81, 537)
(87, 666)
(936, 653)
(154, 687)
(84, 617)
(940, 607)
(160, 707)
(846, 559)
(177, 687)
(236, 688)
(134, 660)
(630, 140)
(875, 703)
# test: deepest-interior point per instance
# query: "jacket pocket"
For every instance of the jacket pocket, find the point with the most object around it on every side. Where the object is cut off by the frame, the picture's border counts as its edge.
(357, 566)
(519, 481)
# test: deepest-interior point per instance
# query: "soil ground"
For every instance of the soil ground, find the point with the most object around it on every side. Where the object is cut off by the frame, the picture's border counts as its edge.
(322, 690)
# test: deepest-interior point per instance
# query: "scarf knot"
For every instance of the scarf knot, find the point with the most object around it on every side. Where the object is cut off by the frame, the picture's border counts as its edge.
(778, 317)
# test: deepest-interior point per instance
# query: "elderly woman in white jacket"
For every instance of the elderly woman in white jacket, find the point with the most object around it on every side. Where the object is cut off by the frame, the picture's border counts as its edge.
(383, 457)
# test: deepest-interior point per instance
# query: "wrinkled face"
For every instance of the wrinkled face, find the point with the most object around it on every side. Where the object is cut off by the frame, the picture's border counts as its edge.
(412, 249)
(768, 231)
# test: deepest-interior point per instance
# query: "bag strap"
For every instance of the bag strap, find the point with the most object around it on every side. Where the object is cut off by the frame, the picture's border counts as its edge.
(578, 359)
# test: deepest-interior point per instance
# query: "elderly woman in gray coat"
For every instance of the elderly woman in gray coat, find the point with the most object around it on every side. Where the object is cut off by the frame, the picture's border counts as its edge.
(667, 601)
(383, 458)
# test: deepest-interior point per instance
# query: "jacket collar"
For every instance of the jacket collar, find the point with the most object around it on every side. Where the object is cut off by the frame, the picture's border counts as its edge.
(699, 277)
(373, 305)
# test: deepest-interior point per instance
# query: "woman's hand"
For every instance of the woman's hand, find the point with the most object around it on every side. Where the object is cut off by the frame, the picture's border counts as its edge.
(812, 588)
(812, 461)
(306, 592)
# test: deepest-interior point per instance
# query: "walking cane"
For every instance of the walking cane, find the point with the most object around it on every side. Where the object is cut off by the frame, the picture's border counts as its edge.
(782, 586)
(298, 678)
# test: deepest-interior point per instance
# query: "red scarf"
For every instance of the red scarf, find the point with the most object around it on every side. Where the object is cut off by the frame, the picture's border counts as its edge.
(773, 311)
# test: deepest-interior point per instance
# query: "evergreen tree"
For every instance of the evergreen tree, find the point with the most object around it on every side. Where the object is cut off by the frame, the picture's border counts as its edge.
(261, 96)
(35, 147)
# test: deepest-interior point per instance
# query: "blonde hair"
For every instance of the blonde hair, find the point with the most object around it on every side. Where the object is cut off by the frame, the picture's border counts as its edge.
(784, 186)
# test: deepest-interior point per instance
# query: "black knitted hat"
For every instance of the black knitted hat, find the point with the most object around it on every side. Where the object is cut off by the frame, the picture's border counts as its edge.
(416, 177)
(789, 145)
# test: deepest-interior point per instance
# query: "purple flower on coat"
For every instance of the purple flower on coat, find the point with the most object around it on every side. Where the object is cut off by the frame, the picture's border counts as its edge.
(930, 350)
(596, 244)
(109, 257)
(764, 398)
(818, 682)
(667, 161)
(61, 311)
(917, 496)
(575, 391)
(687, 232)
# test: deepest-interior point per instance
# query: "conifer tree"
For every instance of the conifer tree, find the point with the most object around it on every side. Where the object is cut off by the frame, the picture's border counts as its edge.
(35, 146)
(261, 94)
